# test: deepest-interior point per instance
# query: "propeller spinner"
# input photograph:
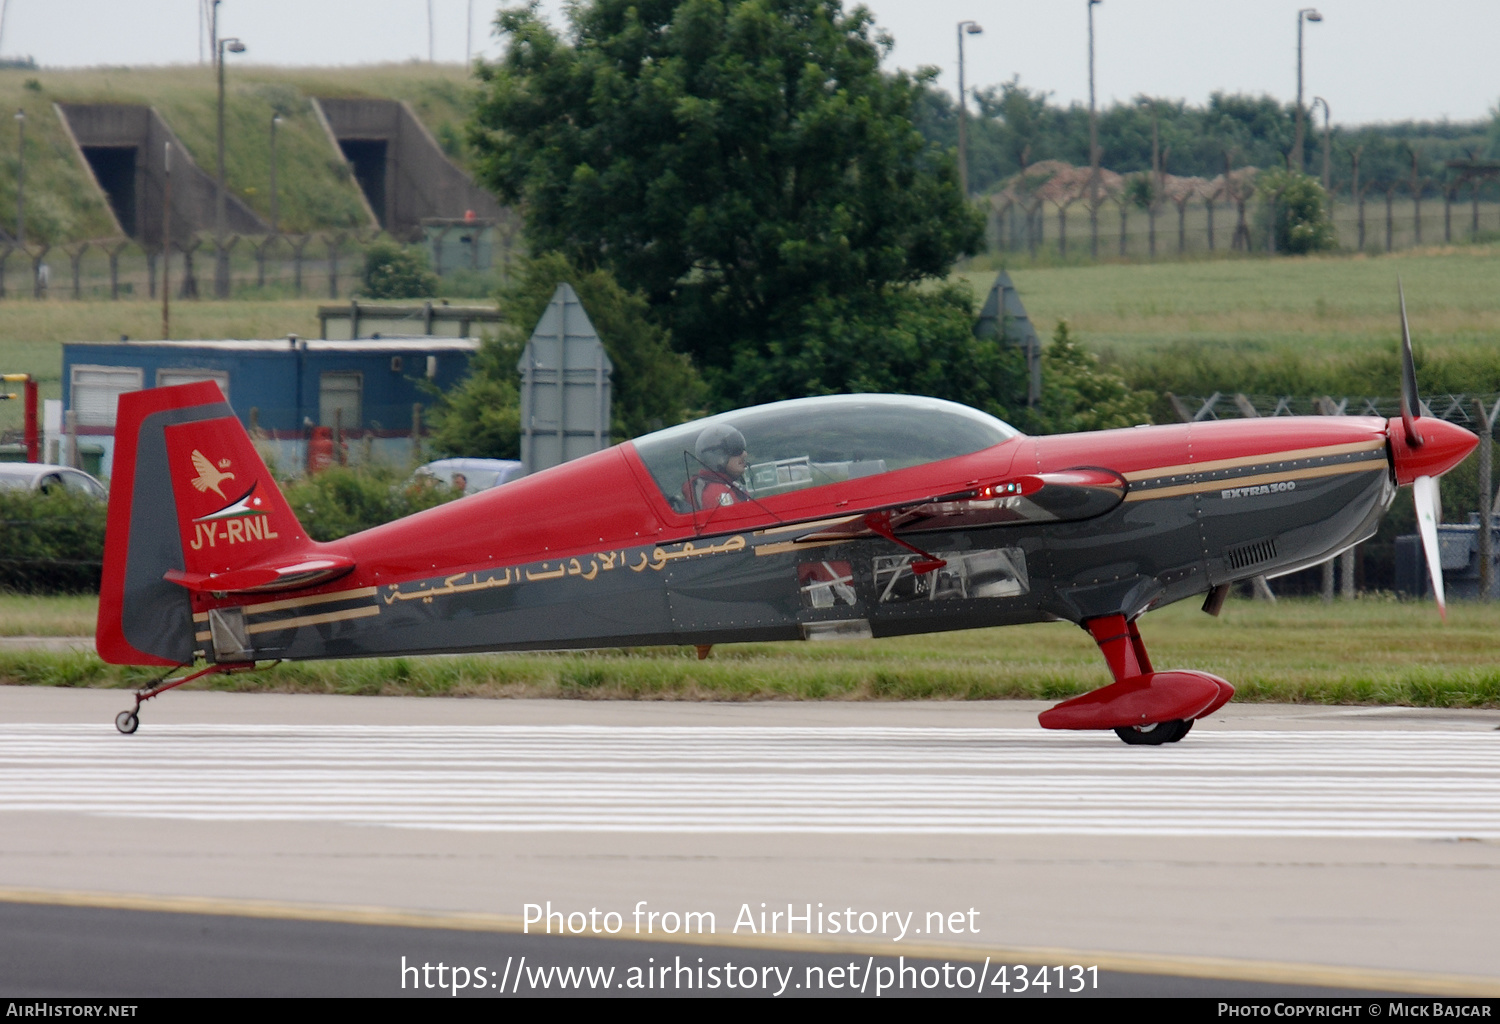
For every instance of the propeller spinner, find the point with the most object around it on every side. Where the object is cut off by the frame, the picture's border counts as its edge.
(1423, 449)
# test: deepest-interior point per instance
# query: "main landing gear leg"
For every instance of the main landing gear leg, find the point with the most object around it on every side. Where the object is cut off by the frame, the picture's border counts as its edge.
(1143, 706)
(129, 721)
(1121, 644)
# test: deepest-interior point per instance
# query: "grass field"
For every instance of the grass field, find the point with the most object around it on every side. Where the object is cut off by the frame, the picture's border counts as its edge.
(1371, 651)
(1333, 303)
(1294, 324)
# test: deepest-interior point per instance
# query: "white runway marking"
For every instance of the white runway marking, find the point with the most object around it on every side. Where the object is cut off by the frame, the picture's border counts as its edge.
(1424, 784)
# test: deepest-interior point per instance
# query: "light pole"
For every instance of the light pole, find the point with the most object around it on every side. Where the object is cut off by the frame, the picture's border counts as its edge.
(275, 219)
(221, 264)
(1305, 14)
(1093, 145)
(970, 28)
(1327, 148)
(21, 178)
(166, 243)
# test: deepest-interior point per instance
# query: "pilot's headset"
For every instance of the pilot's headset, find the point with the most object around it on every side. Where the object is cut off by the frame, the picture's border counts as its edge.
(717, 445)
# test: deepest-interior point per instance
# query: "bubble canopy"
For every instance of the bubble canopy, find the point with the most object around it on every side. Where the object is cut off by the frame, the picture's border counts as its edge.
(813, 442)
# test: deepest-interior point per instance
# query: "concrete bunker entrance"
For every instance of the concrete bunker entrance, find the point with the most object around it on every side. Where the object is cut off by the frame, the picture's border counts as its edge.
(368, 159)
(124, 146)
(404, 174)
(114, 168)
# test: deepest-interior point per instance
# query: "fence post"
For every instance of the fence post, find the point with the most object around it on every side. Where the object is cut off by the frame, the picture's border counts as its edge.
(75, 257)
(114, 268)
(4, 258)
(333, 244)
(189, 288)
(40, 275)
(1416, 197)
(1486, 497)
(1390, 218)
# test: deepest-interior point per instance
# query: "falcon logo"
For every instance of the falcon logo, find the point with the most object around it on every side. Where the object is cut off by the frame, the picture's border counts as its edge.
(209, 478)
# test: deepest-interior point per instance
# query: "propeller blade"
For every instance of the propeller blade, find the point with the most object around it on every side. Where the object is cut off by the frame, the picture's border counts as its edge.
(1425, 492)
(1411, 402)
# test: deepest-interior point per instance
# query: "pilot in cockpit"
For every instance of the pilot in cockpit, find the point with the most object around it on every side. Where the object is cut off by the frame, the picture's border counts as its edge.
(720, 452)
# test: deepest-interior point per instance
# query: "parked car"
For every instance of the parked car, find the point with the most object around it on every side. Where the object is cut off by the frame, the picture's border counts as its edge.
(476, 474)
(40, 476)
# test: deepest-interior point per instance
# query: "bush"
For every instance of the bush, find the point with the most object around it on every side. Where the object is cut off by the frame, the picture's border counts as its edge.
(51, 543)
(1080, 393)
(343, 499)
(395, 272)
(1303, 222)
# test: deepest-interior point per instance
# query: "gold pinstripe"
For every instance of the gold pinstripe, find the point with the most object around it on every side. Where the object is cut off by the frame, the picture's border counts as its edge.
(305, 620)
(1338, 469)
(1255, 460)
(298, 602)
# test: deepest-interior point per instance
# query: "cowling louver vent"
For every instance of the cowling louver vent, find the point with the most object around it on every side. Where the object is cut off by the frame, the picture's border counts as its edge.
(1247, 555)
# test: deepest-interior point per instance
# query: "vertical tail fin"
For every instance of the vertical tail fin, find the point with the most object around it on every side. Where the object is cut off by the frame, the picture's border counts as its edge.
(193, 513)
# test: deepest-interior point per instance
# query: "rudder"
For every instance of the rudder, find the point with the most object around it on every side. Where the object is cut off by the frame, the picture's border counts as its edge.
(193, 510)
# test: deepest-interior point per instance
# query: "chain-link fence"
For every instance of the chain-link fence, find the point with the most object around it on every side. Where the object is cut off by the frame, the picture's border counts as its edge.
(319, 265)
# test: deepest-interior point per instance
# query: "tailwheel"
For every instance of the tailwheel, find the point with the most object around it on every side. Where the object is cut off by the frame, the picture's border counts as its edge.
(1154, 734)
(127, 722)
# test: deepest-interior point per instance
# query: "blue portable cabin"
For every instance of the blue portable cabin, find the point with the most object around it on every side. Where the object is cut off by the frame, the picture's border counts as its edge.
(281, 388)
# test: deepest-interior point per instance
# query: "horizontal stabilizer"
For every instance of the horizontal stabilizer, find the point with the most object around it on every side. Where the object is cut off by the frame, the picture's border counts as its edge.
(262, 579)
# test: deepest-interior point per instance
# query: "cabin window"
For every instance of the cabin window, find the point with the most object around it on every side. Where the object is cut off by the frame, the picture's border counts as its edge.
(814, 442)
(97, 389)
(339, 402)
(167, 378)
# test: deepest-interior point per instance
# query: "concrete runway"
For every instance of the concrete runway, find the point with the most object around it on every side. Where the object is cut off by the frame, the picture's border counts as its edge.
(1292, 846)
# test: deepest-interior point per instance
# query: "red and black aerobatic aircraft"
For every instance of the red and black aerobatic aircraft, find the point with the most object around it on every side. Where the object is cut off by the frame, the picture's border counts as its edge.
(840, 516)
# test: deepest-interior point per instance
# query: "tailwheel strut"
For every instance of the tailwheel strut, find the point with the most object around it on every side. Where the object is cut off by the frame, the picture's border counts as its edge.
(129, 721)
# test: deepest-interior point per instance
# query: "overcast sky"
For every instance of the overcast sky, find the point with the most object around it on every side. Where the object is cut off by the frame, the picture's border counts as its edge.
(1373, 60)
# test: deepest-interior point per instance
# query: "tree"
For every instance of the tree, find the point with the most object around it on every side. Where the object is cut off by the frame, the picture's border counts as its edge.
(898, 341)
(1299, 204)
(1078, 393)
(395, 272)
(735, 161)
(651, 387)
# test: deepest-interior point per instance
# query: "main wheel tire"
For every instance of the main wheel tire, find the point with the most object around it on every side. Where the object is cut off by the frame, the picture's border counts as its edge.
(1187, 727)
(1154, 735)
(127, 722)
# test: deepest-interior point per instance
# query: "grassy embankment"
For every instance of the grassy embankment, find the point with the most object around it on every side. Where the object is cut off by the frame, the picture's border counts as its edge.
(1363, 652)
(316, 190)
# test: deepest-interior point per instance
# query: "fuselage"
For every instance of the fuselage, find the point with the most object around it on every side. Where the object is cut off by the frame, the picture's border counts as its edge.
(601, 552)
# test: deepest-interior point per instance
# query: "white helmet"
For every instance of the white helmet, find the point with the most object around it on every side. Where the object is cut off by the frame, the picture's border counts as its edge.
(717, 445)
